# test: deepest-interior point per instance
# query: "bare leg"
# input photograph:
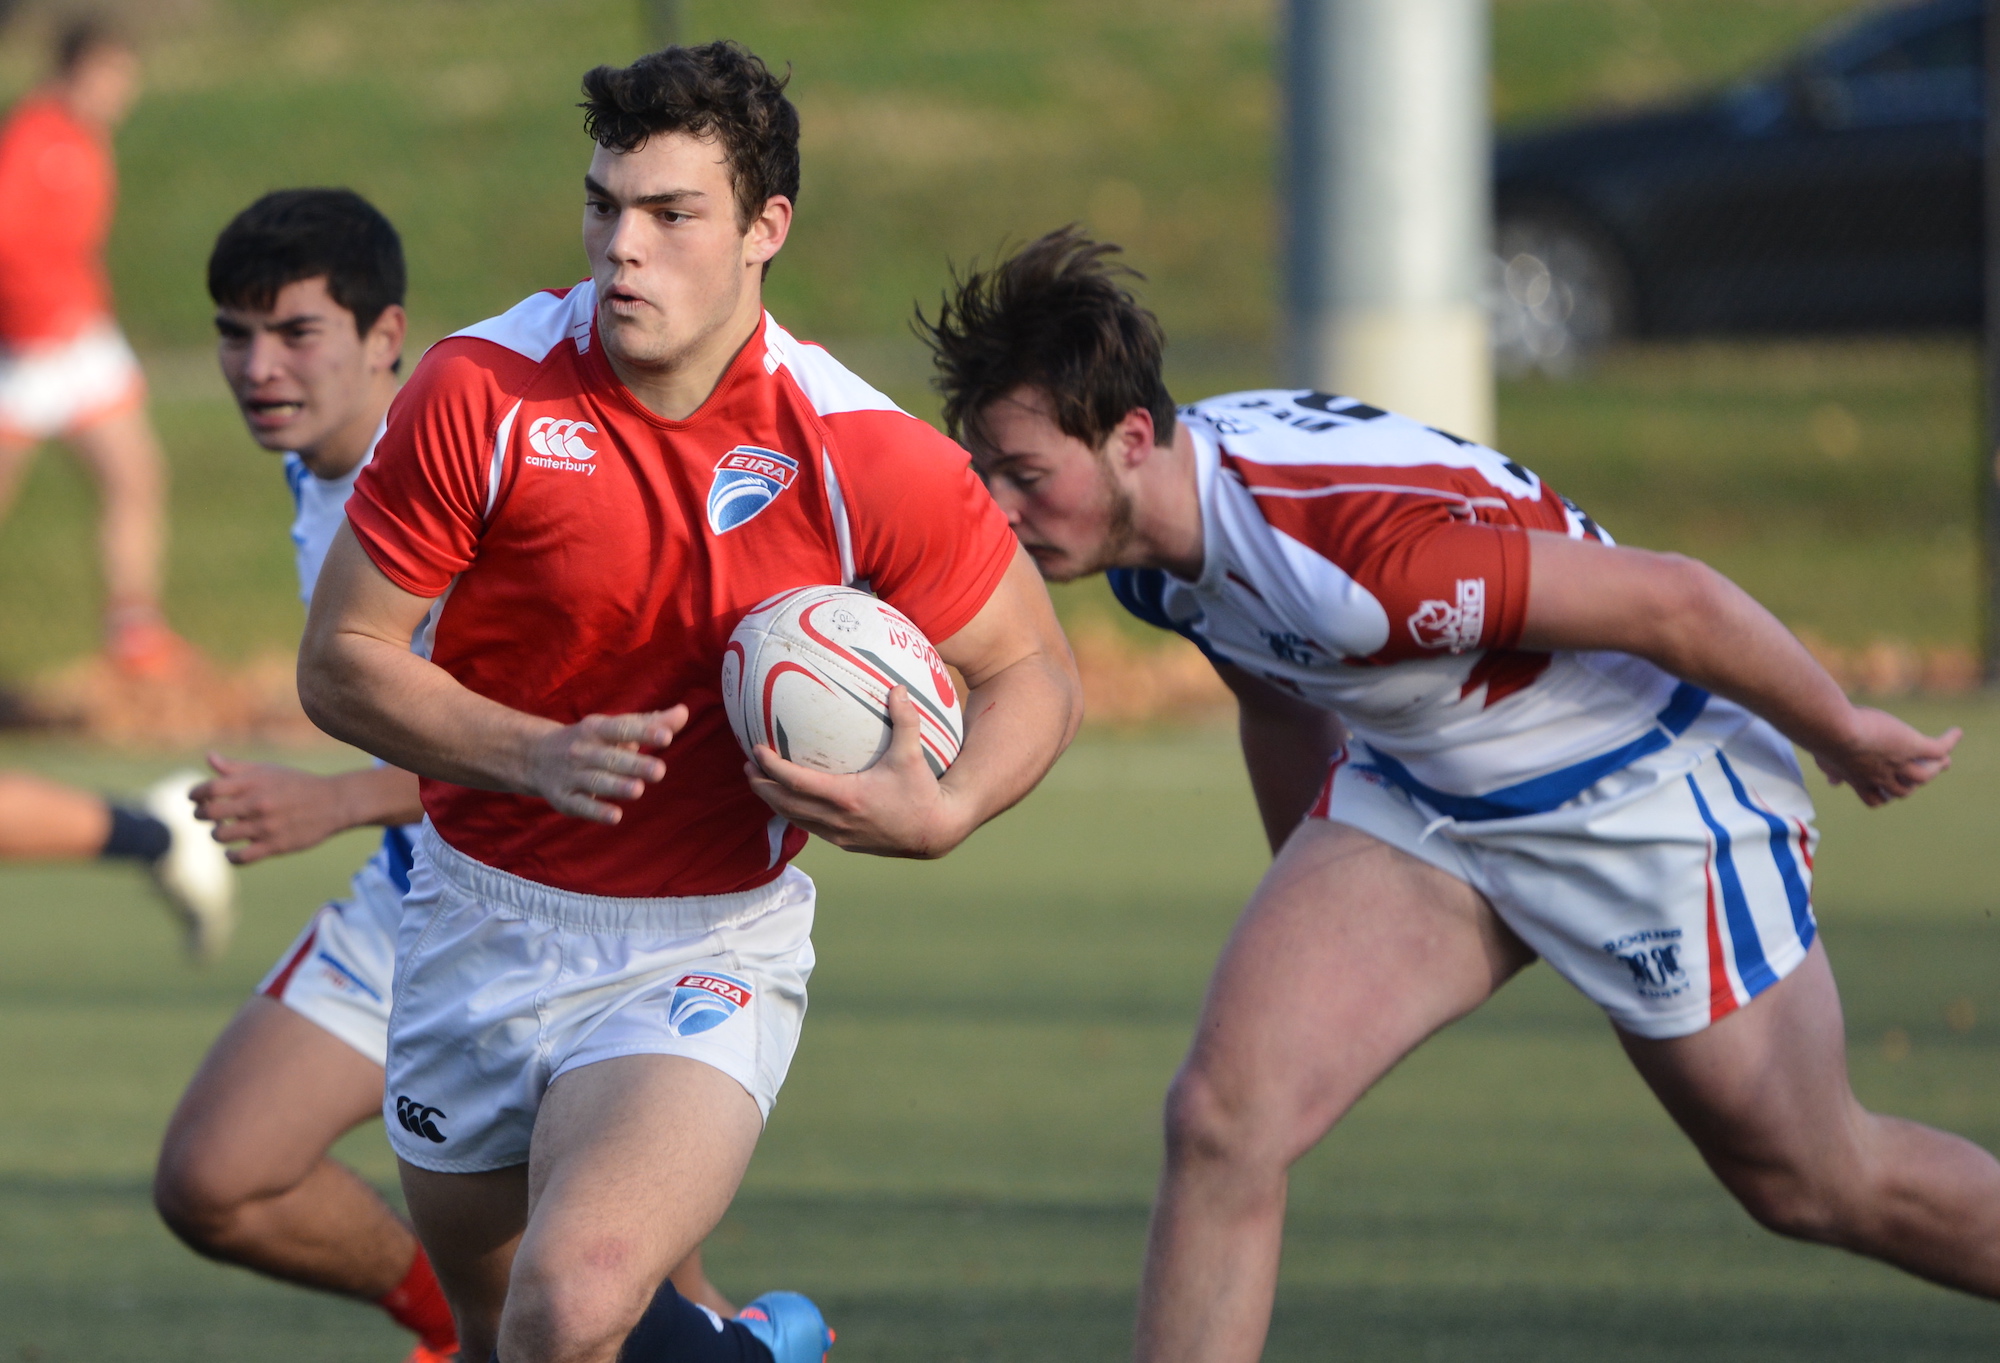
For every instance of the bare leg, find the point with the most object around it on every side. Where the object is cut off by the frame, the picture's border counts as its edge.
(244, 1175)
(1371, 951)
(634, 1161)
(15, 456)
(45, 820)
(1765, 1098)
(471, 1226)
(691, 1281)
(123, 455)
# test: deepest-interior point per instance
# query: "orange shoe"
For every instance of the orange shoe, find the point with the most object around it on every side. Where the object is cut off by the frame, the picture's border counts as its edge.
(425, 1354)
(142, 646)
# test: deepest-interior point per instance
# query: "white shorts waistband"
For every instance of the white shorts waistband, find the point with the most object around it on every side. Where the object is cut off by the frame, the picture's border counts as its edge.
(684, 916)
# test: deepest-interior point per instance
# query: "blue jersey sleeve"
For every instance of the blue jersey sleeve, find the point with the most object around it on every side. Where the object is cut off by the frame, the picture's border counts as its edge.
(1142, 591)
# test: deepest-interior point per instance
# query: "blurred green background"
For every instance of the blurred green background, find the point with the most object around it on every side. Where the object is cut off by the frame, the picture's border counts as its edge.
(1832, 478)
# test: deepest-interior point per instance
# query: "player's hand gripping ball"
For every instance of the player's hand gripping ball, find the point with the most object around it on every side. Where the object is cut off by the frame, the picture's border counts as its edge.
(809, 672)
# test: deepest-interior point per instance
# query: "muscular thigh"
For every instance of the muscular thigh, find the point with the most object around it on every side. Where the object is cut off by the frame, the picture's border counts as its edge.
(470, 1225)
(272, 1094)
(1766, 1086)
(635, 1159)
(1349, 954)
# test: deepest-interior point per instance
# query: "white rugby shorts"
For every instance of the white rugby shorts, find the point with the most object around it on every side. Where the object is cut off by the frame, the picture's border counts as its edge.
(48, 390)
(1671, 893)
(504, 984)
(338, 971)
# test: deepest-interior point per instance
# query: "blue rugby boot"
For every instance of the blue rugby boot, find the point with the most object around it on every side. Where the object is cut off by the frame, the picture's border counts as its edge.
(789, 1325)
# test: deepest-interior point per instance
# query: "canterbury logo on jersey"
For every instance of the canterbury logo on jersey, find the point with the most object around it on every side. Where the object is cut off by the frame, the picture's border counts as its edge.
(1455, 626)
(559, 444)
(747, 479)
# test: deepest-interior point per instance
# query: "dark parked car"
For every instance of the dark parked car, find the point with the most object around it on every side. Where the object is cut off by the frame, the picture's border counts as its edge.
(1839, 192)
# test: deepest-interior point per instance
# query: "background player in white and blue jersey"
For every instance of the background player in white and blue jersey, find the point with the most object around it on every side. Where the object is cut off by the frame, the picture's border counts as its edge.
(1477, 732)
(308, 286)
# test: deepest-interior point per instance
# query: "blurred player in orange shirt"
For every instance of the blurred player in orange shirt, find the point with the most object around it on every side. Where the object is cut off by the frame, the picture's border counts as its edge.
(65, 369)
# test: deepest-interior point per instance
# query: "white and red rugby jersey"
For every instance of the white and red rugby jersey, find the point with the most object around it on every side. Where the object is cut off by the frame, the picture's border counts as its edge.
(1379, 568)
(592, 557)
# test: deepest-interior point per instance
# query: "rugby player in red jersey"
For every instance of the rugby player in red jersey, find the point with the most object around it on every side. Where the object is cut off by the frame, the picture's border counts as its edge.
(65, 369)
(308, 287)
(1477, 732)
(603, 955)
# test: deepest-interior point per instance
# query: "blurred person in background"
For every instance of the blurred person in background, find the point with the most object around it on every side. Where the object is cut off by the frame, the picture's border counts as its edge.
(65, 369)
(308, 286)
(44, 820)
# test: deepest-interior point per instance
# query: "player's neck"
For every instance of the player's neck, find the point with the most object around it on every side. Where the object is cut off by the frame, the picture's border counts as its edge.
(676, 387)
(348, 444)
(78, 108)
(1166, 512)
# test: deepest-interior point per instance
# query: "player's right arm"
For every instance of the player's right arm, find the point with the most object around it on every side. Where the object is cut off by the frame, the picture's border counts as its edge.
(359, 681)
(1287, 747)
(1692, 621)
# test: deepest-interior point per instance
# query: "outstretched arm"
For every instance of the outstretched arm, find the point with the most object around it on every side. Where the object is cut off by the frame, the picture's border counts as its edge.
(359, 681)
(1022, 707)
(267, 809)
(1287, 746)
(1697, 624)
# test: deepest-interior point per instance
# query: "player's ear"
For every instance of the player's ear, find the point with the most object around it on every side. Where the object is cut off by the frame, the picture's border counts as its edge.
(768, 231)
(384, 341)
(1132, 438)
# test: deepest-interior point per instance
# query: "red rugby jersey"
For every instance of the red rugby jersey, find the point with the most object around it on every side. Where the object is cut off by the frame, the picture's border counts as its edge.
(593, 557)
(56, 191)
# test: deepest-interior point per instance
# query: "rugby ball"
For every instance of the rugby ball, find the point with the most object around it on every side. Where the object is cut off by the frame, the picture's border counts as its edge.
(809, 671)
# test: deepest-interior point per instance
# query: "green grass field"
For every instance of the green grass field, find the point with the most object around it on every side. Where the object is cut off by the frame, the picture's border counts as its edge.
(961, 1164)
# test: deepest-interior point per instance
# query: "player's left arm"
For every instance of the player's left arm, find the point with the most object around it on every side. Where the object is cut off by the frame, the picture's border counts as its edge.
(266, 809)
(1695, 623)
(1022, 708)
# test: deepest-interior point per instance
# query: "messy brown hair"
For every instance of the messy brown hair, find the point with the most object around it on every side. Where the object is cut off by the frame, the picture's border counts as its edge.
(1055, 316)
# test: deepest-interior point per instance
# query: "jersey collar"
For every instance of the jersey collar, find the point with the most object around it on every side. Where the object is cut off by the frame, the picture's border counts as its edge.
(753, 361)
(1207, 464)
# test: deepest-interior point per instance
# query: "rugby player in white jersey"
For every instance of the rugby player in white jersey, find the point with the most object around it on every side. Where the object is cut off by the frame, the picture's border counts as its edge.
(1477, 732)
(601, 976)
(308, 286)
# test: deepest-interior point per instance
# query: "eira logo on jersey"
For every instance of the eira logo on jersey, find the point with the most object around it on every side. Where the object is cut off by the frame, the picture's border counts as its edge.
(705, 1001)
(747, 480)
(1455, 626)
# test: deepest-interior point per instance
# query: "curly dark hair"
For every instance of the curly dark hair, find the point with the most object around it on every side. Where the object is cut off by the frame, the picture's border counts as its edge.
(294, 234)
(1056, 316)
(721, 90)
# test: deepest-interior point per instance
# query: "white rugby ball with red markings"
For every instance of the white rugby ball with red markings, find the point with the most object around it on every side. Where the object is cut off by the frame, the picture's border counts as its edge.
(809, 671)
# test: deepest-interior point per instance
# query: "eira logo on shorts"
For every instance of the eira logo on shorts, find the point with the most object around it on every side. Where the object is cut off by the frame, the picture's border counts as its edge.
(419, 1120)
(705, 1001)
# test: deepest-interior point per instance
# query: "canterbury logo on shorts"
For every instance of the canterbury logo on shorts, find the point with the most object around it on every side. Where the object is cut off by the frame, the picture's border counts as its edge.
(419, 1120)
